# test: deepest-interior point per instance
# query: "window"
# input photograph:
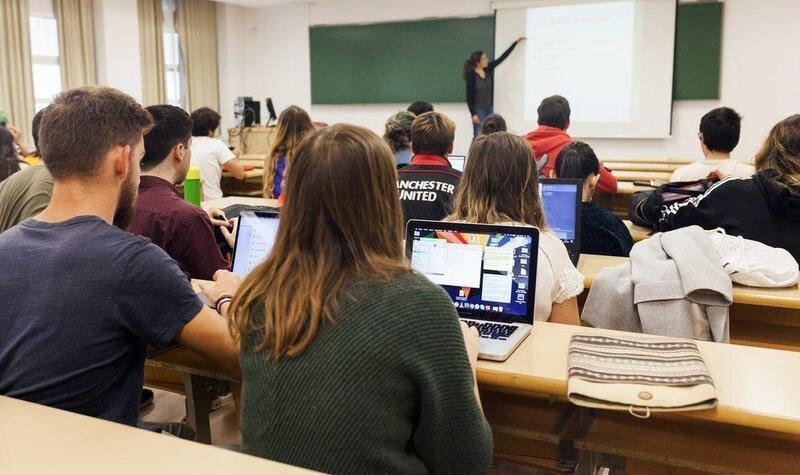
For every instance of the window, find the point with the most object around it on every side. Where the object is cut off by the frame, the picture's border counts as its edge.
(44, 53)
(173, 61)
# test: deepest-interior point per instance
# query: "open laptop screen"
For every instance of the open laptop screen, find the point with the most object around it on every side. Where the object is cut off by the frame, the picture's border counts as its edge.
(488, 271)
(561, 202)
(457, 162)
(254, 240)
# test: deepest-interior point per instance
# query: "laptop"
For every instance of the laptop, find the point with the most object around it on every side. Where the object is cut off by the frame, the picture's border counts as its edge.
(255, 237)
(457, 162)
(561, 200)
(489, 272)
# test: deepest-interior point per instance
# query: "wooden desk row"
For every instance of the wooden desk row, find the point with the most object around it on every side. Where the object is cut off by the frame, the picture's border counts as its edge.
(763, 317)
(755, 427)
(40, 439)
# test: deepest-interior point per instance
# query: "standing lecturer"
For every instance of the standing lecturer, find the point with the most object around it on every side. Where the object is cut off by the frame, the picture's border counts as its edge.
(479, 78)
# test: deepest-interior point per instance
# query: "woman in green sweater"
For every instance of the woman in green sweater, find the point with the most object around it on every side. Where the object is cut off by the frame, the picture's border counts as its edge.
(351, 362)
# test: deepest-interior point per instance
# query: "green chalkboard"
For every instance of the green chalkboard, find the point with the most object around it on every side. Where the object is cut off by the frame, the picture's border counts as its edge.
(395, 62)
(698, 44)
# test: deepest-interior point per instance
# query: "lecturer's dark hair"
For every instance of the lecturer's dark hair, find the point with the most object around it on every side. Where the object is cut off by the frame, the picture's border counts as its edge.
(470, 64)
(578, 161)
(554, 112)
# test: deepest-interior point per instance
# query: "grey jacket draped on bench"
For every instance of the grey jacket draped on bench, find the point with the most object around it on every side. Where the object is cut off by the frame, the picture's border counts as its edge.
(673, 285)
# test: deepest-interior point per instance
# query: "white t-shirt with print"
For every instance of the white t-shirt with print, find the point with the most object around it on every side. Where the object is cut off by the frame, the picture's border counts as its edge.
(209, 154)
(700, 170)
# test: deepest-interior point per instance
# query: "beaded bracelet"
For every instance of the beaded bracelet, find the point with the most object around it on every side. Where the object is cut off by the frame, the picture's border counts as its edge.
(222, 300)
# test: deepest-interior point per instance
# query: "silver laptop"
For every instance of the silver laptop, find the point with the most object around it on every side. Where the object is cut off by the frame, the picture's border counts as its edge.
(457, 162)
(489, 272)
(255, 237)
(561, 200)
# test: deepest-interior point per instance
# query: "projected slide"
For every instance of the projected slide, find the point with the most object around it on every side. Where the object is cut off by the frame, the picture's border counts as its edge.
(585, 52)
(611, 59)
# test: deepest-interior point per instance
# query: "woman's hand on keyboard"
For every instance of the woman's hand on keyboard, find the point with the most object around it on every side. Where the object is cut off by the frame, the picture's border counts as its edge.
(472, 343)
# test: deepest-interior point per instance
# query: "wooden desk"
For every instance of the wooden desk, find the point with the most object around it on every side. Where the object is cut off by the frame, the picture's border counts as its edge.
(644, 167)
(40, 439)
(257, 140)
(524, 399)
(640, 175)
(252, 185)
(762, 317)
(239, 200)
(677, 161)
(257, 160)
(619, 201)
(638, 233)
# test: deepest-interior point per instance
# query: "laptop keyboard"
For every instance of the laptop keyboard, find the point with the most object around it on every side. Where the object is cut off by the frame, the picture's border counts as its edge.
(233, 211)
(493, 331)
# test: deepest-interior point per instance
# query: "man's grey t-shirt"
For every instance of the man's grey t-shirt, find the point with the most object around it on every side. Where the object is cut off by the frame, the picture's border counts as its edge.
(79, 301)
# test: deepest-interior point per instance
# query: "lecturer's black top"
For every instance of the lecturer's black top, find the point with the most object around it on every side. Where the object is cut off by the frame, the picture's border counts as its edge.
(485, 97)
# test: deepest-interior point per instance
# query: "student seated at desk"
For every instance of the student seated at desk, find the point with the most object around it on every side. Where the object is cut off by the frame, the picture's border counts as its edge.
(183, 230)
(10, 161)
(765, 207)
(397, 133)
(81, 297)
(601, 231)
(551, 136)
(493, 123)
(27, 192)
(501, 186)
(428, 183)
(719, 135)
(211, 155)
(353, 363)
(420, 107)
(293, 124)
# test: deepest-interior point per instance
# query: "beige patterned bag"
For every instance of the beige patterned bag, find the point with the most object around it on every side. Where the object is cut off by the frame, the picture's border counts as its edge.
(641, 375)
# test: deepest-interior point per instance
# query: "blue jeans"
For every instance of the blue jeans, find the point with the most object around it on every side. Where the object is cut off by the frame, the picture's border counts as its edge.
(482, 114)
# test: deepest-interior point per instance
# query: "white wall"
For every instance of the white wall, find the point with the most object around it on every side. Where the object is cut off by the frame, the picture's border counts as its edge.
(760, 68)
(116, 24)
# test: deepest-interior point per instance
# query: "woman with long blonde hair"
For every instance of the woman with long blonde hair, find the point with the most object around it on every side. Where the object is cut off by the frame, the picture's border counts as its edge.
(500, 185)
(293, 125)
(764, 207)
(351, 362)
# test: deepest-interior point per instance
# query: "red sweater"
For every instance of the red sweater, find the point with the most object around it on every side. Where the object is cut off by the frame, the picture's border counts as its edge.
(549, 141)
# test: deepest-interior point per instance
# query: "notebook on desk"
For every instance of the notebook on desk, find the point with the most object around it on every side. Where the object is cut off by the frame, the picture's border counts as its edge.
(489, 273)
(561, 200)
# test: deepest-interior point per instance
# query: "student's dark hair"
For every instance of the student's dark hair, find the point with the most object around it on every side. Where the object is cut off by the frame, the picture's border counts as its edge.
(470, 64)
(493, 123)
(397, 132)
(721, 128)
(9, 161)
(204, 120)
(432, 133)
(554, 112)
(171, 126)
(577, 160)
(82, 125)
(35, 124)
(420, 107)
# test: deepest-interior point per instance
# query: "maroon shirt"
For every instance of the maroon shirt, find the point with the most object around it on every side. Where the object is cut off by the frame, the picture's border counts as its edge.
(183, 230)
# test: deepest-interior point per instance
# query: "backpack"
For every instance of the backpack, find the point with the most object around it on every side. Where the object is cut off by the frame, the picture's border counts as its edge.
(647, 207)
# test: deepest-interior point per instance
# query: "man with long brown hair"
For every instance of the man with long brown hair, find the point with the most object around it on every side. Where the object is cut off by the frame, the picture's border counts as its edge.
(81, 297)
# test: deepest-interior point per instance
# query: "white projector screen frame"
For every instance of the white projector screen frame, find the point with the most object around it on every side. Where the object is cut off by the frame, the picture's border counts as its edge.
(649, 114)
